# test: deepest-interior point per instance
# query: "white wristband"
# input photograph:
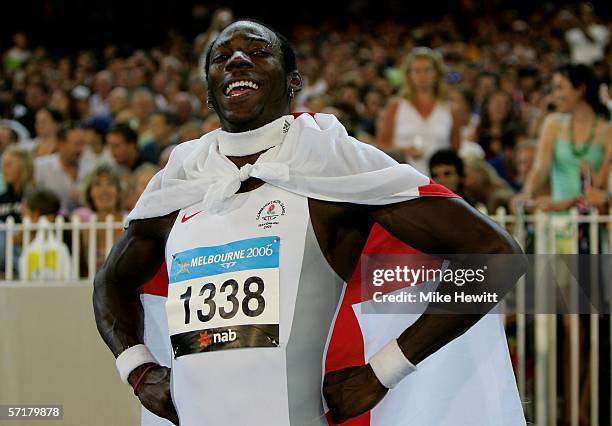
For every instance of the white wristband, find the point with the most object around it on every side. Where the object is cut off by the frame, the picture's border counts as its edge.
(131, 358)
(390, 365)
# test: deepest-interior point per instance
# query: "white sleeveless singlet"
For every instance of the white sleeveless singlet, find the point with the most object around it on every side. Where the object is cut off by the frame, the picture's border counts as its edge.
(433, 132)
(251, 300)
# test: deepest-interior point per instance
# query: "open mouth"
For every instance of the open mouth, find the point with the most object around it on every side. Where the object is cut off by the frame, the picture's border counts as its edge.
(240, 88)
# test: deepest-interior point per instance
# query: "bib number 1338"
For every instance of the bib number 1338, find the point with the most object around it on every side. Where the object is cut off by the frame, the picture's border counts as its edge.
(224, 297)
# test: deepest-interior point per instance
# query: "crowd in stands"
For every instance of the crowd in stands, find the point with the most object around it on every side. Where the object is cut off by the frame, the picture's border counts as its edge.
(505, 110)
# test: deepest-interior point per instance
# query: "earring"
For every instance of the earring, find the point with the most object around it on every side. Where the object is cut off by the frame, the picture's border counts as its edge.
(291, 93)
(209, 103)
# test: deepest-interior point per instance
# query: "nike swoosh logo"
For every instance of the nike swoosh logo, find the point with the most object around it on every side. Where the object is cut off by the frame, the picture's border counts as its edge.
(185, 218)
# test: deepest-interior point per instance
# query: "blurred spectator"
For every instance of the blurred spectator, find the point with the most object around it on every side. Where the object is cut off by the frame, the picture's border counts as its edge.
(18, 176)
(63, 171)
(588, 39)
(16, 56)
(461, 103)
(498, 132)
(103, 84)
(46, 124)
(7, 137)
(45, 257)
(118, 101)
(162, 133)
(36, 97)
(524, 158)
(419, 123)
(487, 83)
(446, 168)
(138, 182)
(498, 124)
(103, 196)
(484, 187)
(576, 143)
(123, 143)
(372, 105)
(80, 99)
(142, 106)
(65, 104)
(184, 107)
(96, 150)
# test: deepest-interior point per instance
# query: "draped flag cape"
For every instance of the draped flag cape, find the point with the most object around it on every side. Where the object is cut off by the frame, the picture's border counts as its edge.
(467, 382)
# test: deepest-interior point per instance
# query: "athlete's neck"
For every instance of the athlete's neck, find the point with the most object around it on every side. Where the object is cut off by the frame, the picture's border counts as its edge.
(242, 144)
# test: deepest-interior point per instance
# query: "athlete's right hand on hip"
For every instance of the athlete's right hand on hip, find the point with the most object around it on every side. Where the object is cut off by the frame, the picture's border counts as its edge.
(352, 391)
(154, 394)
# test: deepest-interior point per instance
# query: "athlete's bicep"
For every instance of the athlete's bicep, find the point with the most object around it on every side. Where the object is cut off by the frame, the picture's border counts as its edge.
(133, 261)
(444, 226)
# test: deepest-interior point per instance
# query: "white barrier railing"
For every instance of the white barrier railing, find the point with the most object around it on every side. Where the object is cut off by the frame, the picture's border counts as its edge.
(77, 231)
(543, 413)
(545, 325)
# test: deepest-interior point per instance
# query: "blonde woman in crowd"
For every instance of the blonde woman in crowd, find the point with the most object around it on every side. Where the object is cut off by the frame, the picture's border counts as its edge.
(419, 122)
(103, 196)
(18, 175)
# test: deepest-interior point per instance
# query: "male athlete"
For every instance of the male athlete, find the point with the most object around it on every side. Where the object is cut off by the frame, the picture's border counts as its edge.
(260, 224)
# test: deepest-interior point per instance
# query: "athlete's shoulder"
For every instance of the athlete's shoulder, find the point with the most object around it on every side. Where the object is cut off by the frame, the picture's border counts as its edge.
(152, 228)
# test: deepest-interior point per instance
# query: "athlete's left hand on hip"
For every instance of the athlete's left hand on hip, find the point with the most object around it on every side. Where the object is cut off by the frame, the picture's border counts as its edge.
(352, 391)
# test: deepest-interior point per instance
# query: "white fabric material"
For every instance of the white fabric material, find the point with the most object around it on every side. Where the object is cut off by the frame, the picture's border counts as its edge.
(254, 141)
(390, 365)
(470, 379)
(467, 382)
(201, 382)
(131, 358)
(316, 159)
(429, 134)
(586, 51)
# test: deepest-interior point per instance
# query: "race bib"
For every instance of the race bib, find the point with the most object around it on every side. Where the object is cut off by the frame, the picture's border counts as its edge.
(224, 297)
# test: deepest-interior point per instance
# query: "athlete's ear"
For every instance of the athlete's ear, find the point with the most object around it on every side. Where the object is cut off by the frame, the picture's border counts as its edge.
(294, 81)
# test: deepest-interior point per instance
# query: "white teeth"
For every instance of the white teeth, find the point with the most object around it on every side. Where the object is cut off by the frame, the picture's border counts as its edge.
(243, 83)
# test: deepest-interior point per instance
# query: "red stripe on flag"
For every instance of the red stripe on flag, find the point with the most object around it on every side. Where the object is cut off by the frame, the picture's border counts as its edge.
(433, 189)
(158, 285)
(297, 114)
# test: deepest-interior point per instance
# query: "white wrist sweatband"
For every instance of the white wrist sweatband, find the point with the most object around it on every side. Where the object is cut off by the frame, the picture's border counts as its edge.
(390, 365)
(131, 358)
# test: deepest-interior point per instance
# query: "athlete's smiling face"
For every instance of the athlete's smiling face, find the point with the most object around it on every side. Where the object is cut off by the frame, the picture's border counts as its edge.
(247, 81)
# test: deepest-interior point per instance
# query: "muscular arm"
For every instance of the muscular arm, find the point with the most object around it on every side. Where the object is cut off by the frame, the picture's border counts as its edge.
(432, 225)
(450, 226)
(133, 260)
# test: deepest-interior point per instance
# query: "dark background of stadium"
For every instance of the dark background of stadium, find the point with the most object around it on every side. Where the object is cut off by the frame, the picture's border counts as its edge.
(69, 25)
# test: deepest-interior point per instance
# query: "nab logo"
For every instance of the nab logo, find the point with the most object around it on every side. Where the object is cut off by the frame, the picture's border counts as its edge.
(206, 339)
(227, 265)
